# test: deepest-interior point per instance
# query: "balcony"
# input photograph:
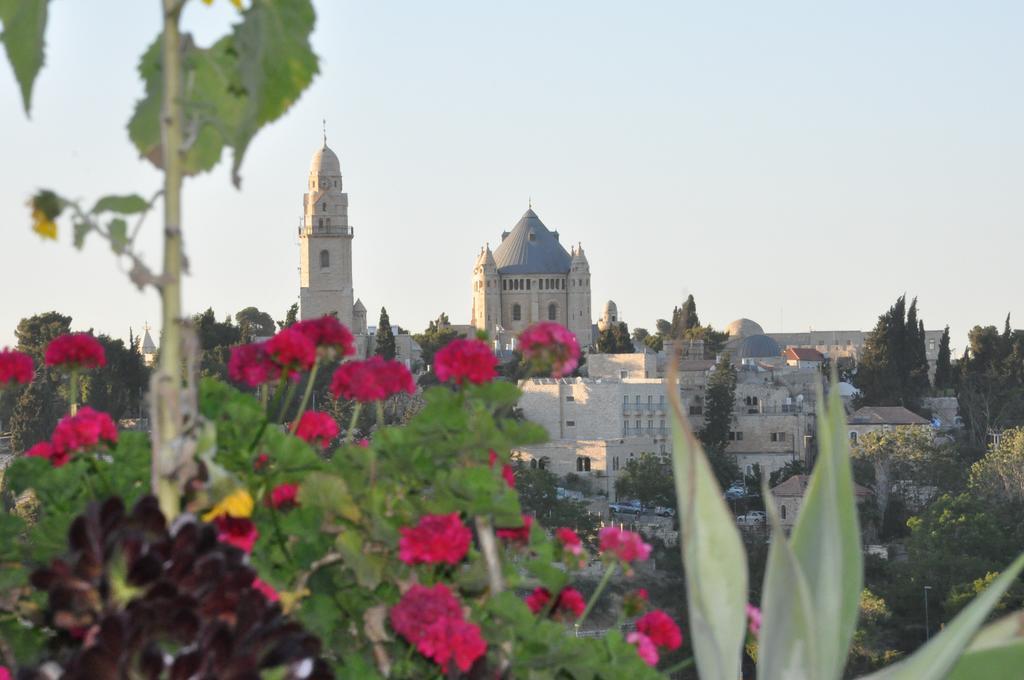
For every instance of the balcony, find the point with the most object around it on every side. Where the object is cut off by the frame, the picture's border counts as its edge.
(325, 230)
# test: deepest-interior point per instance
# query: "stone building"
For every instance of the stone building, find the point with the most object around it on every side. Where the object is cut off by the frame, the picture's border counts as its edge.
(325, 246)
(531, 277)
(789, 498)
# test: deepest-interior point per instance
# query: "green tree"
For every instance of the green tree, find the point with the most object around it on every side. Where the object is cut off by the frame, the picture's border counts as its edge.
(615, 340)
(119, 387)
(893, 369)
(438, 334)
(990, 383)
(655, 342)
(719, 400)
(290, 317)
(213, 333)
(640, 335)
(793, 467)
(943, 368)
(252, 323)
(684, 319)
(999, 476)
(538, 496)
(385, 343)
(647, 479)
(664, 327)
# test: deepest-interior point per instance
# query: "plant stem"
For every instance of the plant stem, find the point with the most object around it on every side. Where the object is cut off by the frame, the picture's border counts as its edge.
(169, 374)
(685, 663)
(73, 392)
(489, 547)
(289, 395)
(305, 395)
(609, 572)
(352, 423)
(280, 536)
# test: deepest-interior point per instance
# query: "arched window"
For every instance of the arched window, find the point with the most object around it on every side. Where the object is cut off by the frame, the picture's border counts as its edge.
(533, 463)
(517, 313)
(552, 312)
(782, 511)
(325, 259)
(586, 463)
(853, 438)
(335, 184)
(323, 207)
(320, 223)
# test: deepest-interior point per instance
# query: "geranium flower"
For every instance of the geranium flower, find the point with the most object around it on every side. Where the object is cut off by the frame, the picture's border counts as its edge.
(465, 360)
(237, 531)
(644, 647)
(374, 379)
(661, 629)
(238, 503)
(754, 619)
(421, 606)
(15, 367)
(435, 539)
(507, 473)
(292, 350)
(317, 427)
(570, 540)
(46, 450)
(452, 639)
(84, 430)
(625, 545)
(261, 462)
(284, 496)
(251, 365)
(551, 347)
(265, 588)
(329, 335)
(75, 351)
(517, 534)
(569, 601)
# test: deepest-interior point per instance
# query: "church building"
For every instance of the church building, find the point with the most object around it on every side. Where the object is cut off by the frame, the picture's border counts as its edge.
(530, 277)
(325, 247)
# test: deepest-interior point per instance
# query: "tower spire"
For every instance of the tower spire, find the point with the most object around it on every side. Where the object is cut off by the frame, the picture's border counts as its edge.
(325, 132)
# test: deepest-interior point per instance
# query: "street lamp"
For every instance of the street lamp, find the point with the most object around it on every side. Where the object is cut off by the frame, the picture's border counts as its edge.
(927, 630)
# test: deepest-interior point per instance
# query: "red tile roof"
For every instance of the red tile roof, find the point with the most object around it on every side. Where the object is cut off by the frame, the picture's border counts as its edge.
(804, 354)
(886, 415)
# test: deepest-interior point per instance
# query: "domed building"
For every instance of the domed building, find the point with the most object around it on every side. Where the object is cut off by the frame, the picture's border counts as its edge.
(758, 347)
(609, 316)
(741, 328)
(531, 277)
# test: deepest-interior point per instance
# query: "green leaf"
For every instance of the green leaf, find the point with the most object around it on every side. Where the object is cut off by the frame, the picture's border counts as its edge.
(24, 23)
(330, 493)
(275, 63)
(996, 653)
(367, 567)
(118, 231)
(788, 646)
(713, 555)
(826, 542)
(82, 229)
(126, 205)
(936, 658)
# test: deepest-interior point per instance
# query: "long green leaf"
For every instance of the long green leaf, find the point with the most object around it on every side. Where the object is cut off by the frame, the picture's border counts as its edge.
(826, 542)
(24, 23)
(936, 658)
(716, 564)
(788, 645)
(995, 653)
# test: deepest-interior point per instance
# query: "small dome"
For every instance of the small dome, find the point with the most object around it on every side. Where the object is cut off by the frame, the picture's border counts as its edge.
(741, 328)
(610, 310)
(758, 347)
(325, 162)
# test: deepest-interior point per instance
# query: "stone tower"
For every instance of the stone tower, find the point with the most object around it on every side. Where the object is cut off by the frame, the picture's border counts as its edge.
(486, 292)
(579, 297)
(325, 243)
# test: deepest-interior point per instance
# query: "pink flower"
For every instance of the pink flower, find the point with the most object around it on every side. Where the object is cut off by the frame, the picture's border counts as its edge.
(15, 367)
(625, 545)
(292, 350)
(435, 539)
(644, 647)
(754, 619)
(261, 462)
(422, 606)
(84, 430)
(570, 540)
(465, 360)
(284, 496)
(450, 639)
(507, 473)
(317, 427)
(237, 531)
(517, 534)
(75, 351)
(267, 590)
(550, 346)
(329, 334)
(46, 450)
(5, 674)
(661, 629)
(251, 365)
(374, 379)
(569, 601)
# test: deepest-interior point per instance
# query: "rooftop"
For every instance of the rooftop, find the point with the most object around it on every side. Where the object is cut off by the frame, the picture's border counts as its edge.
(797, 486)
(804, 354)
(530, 248)
(886, 415)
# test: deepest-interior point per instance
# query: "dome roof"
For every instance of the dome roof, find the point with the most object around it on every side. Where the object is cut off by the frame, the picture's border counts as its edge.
(325, 162)
(743, 328)
(610, 309)
(531, 249)
(758, 347)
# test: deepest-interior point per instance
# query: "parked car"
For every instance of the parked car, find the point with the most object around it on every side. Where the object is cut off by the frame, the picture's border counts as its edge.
(735, 491)
(752, 518)
(626, 508)
(661, 511)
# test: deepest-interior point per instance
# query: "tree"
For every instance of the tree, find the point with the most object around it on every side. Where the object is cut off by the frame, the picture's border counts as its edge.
(290, 317)
(893, 369)
(990, 383)
(385, 344)
(640, 335)
(1000, 474)
(252, 323)
(438, 334)
(663, 327)
(118, 387)
(647, 479)
(538, 496)
(793, 467)
(943, 369)
(684, 319)
(719, 399)
(615, 340)
(213, 333)
(655, 342)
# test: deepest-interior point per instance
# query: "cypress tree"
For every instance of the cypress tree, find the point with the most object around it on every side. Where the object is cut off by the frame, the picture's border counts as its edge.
(943, 370)
(719, 400)
(893, 368)
(385, 345)
(684, 318)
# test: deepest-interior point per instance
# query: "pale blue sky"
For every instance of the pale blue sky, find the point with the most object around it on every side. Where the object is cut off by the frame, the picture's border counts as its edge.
(801, 163)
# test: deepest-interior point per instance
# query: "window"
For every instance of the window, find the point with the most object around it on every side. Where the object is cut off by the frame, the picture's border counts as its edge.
(696, 410)
(650, 424)
(323, 207)
(504, 285)
(623, 374)
(320, 223)
(335, 184)
(853, 438)
(782, 511)
(570, 398)
(533, 463)
(625, 399)
(650, 400)
(615, 462)
(570, 423)
(325, 259)
(527, 284)
(517, 313)
(533, 236)
(552, 312)
(748, 470)
(638, 424)
(931, 344)
(735, 436)
(625, 426)
(778, 436)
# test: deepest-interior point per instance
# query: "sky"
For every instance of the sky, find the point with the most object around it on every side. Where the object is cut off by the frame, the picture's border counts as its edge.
(798, 164)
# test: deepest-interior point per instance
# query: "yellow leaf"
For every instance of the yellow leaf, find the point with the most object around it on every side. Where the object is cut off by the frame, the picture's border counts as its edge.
(43, 225)
(237, 504)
